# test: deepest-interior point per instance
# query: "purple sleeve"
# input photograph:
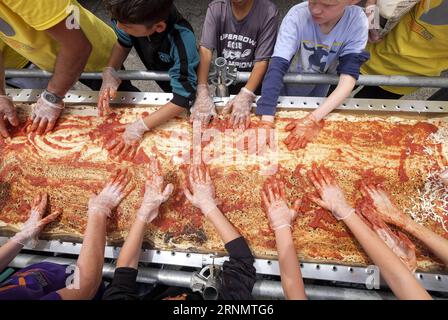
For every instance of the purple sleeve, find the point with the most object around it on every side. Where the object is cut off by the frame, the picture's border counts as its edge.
(351, 63)
(52, 296)
(209, 36)
(272, 85)
(266, 42)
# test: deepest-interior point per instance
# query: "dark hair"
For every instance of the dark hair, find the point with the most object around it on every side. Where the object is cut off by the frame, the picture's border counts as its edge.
(146, 12)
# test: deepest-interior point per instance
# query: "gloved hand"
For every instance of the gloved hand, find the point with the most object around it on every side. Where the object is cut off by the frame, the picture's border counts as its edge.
(203, 108)
(108, 90)
(111, 196)
(331, 195)
(302, 131)
(274, 200)
(203, 192)
(35, 223)
(44, 115)
(126, 146)
(384, 206)
(155, 195)
(240, 107)
(444, 177)
(7, 112)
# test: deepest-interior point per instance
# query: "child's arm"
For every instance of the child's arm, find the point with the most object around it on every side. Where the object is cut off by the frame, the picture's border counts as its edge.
(437, 244)
(30, 231)
(203, 108)
(111, 81)
(291, 276)
(401, 281)
(155, 195)
(8, 252)
(280, 218)
(305, 130)
(206, 56)
(238, 273)
(287, 43)
(164, 114)
(241, 105)
(125, 146)
(202, 196)
(257, 75)
(391, 214)
(118, 56)
(395, 273)
(90, 262)
(272, 85)
(342, 91)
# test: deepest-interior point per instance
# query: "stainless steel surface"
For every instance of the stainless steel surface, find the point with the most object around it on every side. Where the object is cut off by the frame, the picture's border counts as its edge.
(262, 288)
(285, 103)
(327, 272)
(338, 273)
(369, 80)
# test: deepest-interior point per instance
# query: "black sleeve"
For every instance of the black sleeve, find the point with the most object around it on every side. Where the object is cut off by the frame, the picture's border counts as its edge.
(123, 286)
(238, 274)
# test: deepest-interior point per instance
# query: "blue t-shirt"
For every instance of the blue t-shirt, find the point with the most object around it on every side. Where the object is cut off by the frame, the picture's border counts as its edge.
(319, 52)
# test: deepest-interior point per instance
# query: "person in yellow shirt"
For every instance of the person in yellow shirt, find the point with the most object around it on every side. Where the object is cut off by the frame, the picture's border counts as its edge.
(13, 60)
(417, 46)
(59, 36)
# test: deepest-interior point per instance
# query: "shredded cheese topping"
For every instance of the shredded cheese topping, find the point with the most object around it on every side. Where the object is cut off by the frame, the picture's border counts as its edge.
(439, 137)
(432, 200)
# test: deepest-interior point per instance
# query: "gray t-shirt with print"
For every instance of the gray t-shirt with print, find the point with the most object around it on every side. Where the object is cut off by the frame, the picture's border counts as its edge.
(243, 42)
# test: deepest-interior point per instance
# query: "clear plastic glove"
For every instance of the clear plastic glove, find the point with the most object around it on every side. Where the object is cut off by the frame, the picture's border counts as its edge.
(126, 146)
(35, 223)
(7, 112)
(111, 196)
(240, 107)
(44, 115)
(274, 200)
(203, 109)
(302, 132)
(108, 90)
(444, 177)
(331, 195)
(398, 242)
(155, 194)
(384, 206)
(202, 195)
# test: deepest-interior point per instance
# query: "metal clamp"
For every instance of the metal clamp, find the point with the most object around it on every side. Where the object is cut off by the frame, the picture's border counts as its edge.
(207, 282)
(222, 76)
